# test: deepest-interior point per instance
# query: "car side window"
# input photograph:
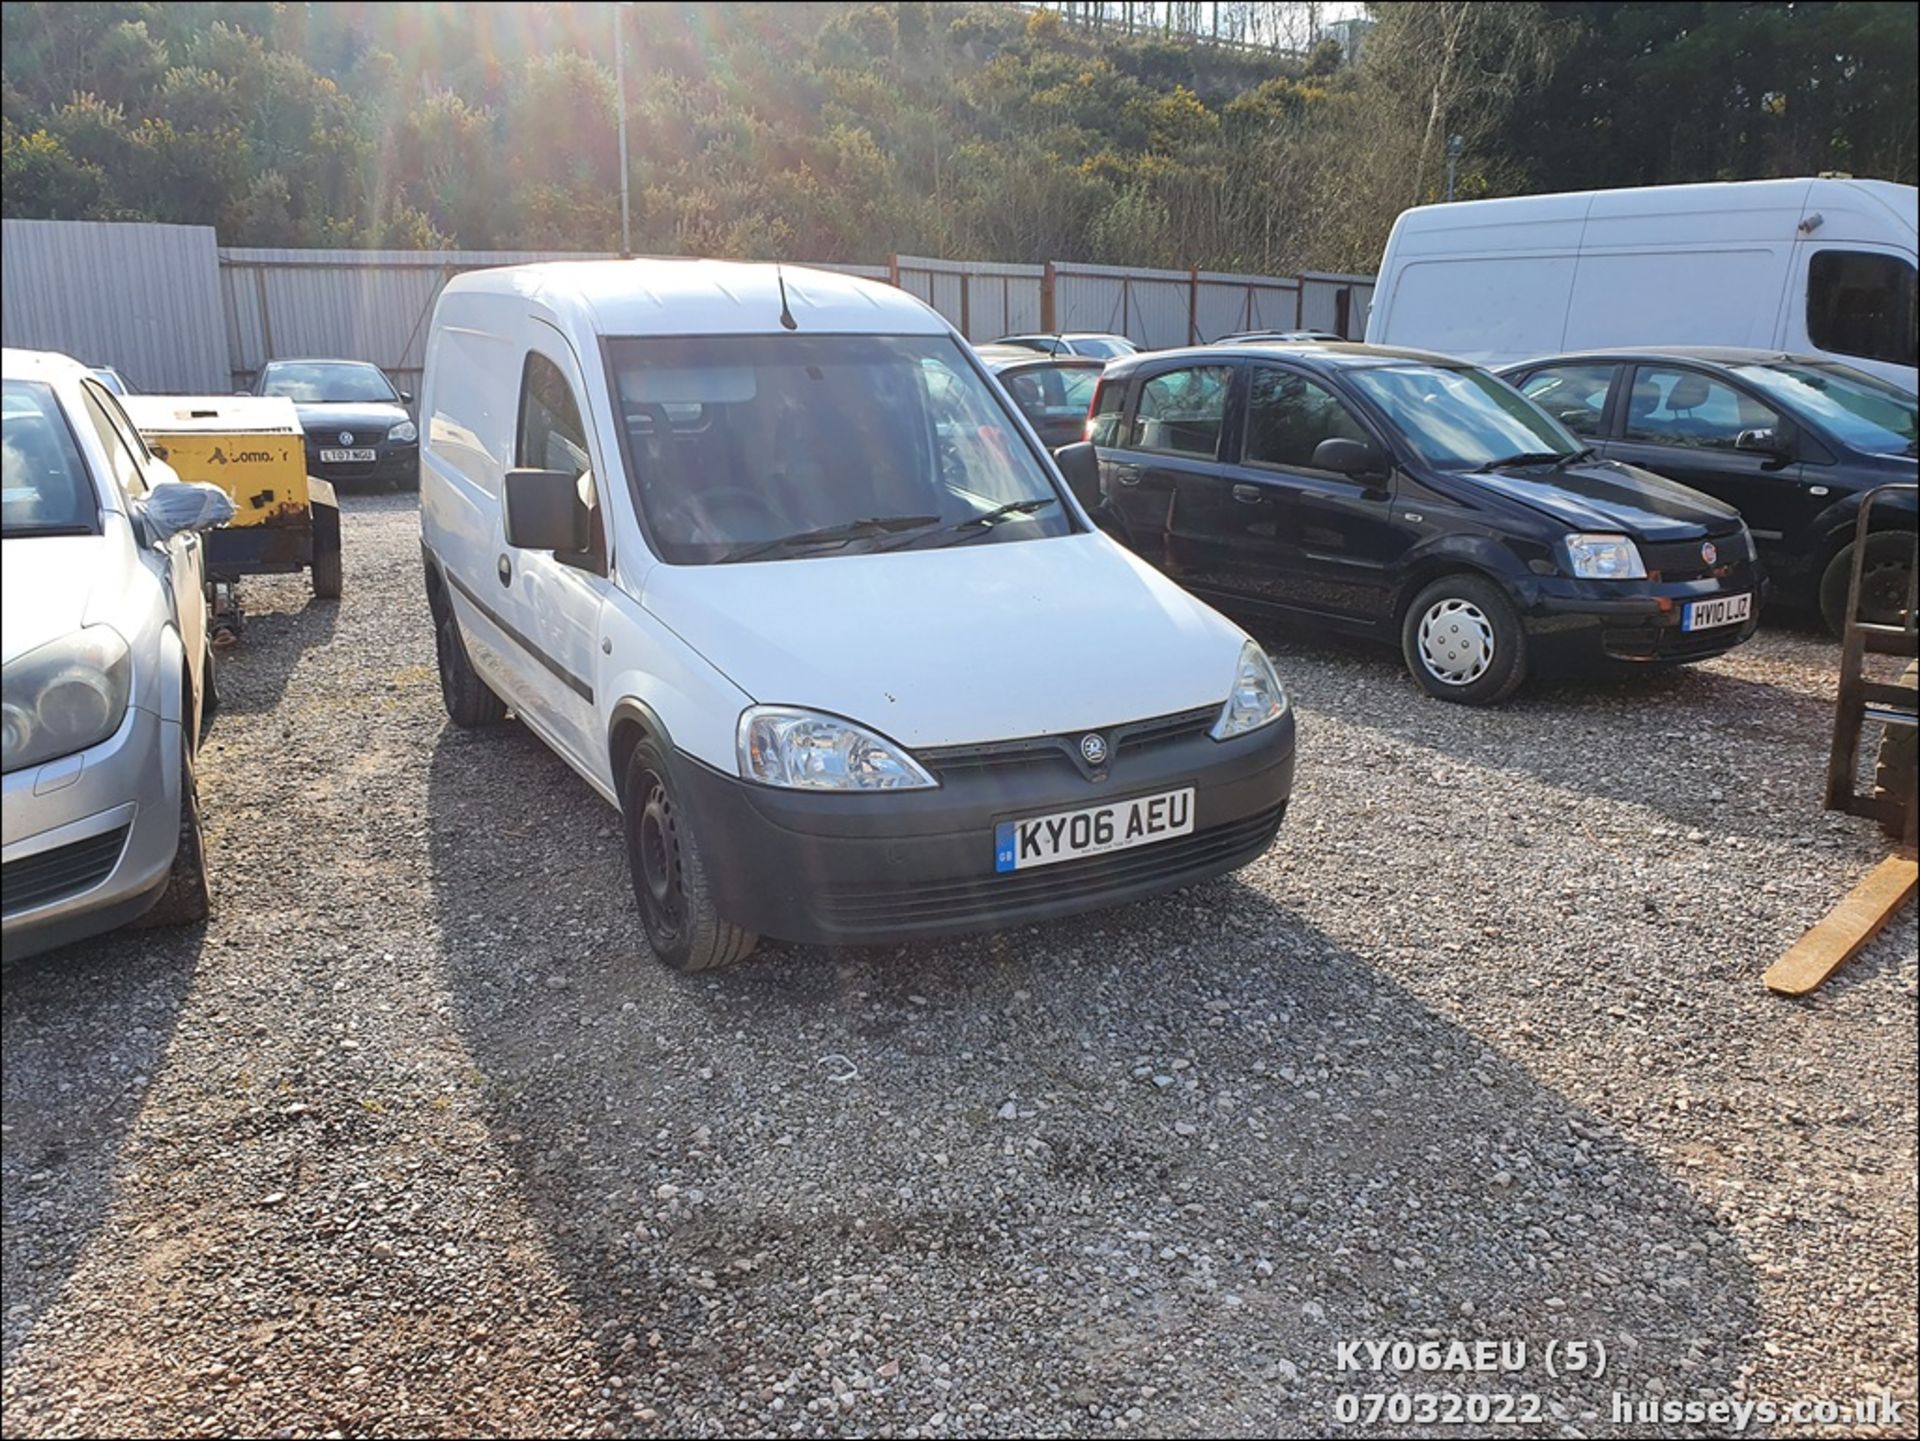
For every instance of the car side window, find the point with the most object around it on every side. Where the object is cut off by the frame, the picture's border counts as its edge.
(1672, 406)
(1103, 425)
(122, 460)
(551, 435)
(1288, 416)
(1181, 412)
(1860, 302)
(1574, 395)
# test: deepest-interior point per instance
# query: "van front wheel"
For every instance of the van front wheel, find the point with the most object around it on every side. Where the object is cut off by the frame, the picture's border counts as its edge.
(669, 871)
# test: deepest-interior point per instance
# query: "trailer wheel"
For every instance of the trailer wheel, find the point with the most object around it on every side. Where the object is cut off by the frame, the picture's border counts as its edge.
(1896, 771)
(328, 569)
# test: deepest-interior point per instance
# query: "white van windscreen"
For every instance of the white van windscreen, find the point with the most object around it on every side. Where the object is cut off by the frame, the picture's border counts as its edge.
(769, 447)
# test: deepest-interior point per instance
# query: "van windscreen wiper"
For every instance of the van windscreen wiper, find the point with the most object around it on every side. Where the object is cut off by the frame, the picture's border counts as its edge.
(841, 534)
(987, 519)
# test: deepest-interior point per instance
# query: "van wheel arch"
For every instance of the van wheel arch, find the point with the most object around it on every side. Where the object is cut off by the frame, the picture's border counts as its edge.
(633, 722)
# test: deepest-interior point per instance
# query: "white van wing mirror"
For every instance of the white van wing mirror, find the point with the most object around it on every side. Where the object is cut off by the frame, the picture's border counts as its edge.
(544, 511)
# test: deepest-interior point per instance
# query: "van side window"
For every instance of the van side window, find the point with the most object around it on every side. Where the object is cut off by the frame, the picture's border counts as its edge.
(1288, 416)
(1860, 302)
(552, 437)
(1180, 412)
(1574, 395)
(1670, 406)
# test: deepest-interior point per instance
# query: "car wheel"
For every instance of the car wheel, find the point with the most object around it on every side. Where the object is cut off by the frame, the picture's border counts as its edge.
(209, 687)
(1896, 771)
(1463, 642)
(669, 873)
(187, 897)
(1883, 581)
(470, 701)
(329, 569)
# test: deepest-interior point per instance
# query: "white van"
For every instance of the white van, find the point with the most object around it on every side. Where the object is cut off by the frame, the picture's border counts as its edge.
(779, 570)
(1816, 267)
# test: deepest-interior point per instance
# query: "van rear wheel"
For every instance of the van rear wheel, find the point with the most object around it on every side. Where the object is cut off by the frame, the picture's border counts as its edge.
(669, 871)
(470, 702)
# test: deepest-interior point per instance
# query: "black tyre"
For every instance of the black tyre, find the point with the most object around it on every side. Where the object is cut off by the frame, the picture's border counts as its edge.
(1883, 581)
(470, 702)
(669, 872)
(1896, 770)
(187, 897)
(329, 571)
(209, 682)
(1463, 642)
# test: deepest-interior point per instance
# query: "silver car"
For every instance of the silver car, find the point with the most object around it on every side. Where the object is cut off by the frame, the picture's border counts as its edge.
(107, 667)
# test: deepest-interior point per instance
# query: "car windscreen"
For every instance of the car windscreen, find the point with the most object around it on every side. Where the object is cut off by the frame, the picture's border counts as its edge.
(1866, 413)
(44, 489)
(328, 383)
(1459, 418)
(786, 446)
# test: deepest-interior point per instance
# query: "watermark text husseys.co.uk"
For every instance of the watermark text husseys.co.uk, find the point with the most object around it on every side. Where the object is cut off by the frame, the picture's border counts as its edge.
(1737, 1417)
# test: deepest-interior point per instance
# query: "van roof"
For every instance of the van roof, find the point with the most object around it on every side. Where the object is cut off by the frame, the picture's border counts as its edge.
(706, 297)
(1847, 209)
(1707, 354)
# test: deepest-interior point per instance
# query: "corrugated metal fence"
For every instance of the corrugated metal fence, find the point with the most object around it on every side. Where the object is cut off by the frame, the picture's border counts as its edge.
(145, 298)
(176, 311)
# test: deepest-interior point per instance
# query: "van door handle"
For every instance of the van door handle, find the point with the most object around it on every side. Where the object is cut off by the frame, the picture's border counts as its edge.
(1127, 474)
(505, 569)
(1248, 494)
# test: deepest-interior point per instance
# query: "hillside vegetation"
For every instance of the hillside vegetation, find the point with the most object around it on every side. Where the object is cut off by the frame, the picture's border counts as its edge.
(846, 132)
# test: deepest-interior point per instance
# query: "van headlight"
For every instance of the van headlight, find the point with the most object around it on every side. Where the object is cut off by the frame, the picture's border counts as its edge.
(64, 696)
(1604, 557)
(403, 432)
(805, 750)
(1257, 697)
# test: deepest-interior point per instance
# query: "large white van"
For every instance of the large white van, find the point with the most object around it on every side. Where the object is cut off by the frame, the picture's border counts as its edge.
(774, 565)
(1816, 267)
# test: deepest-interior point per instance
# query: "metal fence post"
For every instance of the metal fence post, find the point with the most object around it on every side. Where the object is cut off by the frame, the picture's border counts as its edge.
(1193, 305)
(1047, 319)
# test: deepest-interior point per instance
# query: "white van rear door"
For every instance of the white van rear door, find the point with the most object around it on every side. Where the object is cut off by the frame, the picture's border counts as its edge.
(1491, 309)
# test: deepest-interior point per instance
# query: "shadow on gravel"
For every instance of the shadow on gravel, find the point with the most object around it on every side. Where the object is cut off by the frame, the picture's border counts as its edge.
(84, 1029)
(254, 673)
(1190, 1145)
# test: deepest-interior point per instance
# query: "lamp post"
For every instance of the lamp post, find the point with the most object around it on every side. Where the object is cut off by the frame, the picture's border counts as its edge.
(620, 85)
(1456, 146)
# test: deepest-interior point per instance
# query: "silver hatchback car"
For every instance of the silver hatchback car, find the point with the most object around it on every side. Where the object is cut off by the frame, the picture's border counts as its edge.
(107, 668)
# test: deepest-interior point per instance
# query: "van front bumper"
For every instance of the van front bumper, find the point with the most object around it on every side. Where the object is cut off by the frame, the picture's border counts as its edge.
(885, 867)
(90, 838)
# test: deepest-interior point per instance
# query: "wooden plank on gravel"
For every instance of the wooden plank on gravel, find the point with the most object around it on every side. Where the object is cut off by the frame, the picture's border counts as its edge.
(1844, 930)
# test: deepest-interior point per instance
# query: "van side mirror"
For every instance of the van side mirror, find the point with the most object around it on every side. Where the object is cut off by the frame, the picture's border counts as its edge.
(406, 397)
(1080, 466)
(1355, 459)
(544, 511)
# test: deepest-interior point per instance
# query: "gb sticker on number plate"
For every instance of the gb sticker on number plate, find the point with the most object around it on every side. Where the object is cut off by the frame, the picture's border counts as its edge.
(1093, 831)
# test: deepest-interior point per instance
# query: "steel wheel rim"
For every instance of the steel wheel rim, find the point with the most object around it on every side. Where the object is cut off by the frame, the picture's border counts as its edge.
(657, 854)
(1883, 592)
(1456, 642)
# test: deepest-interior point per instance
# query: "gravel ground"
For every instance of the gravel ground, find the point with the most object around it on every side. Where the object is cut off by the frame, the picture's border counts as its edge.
(415, 1137)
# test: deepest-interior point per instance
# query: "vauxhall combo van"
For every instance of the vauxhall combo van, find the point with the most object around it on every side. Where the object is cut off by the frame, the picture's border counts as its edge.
(769, 559)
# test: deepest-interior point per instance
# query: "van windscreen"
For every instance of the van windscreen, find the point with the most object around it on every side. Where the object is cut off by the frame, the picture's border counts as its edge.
(768, 447)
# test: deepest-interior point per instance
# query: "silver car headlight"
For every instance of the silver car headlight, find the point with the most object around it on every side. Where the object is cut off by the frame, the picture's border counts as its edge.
(1605, 557)
(1257, 697)
(805, 750)
(403, 432)
(64, 696)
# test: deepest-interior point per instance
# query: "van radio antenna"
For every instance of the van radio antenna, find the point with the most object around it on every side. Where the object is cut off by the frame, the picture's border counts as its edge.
(786, 312)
